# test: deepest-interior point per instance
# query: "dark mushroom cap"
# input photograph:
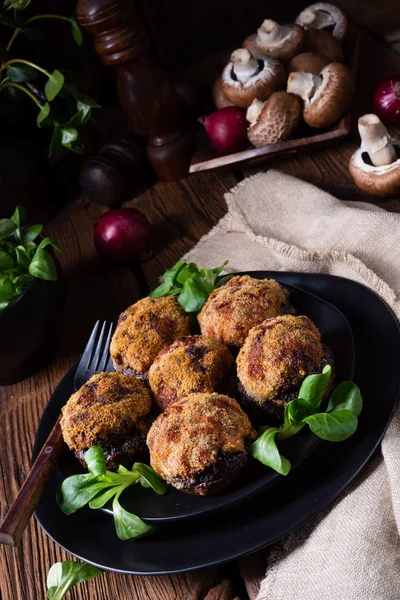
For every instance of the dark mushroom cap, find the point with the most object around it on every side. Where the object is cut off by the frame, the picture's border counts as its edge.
(143, 330)
(308, 62)
(277, 355)
(322, 15)
(194, 363)
(105, 411)
(234, 308)
(277, 121)
(283, 51)
(332, 98)
(323, 42)
(189, 437)
(270, 77)
(378, 181)
(219, 98)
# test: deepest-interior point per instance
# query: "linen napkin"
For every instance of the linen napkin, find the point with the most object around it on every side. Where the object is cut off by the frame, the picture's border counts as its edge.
(276, 222)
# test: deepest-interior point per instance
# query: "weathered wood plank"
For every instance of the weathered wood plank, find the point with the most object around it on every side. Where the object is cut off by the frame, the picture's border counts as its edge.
(182, 213)
(95, 289)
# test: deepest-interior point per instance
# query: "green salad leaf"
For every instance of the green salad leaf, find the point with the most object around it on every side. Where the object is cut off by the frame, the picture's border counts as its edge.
(313, 387)
(30, 234)
(336, 424)
(334, 427)
(148, 478)
(266, 451)
(76, 32)
(346, 396)
(44, 111)
(190, 284)
(22, 258)
(95, 461)
(19, 215)
(53, 85)
(21, 73)
(99, 486)
(7, 227)
(127, 525)
(63, 575)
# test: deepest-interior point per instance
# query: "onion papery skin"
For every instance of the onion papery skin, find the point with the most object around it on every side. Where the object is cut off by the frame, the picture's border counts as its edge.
(227, 129)
(124, 235)
(386, 100)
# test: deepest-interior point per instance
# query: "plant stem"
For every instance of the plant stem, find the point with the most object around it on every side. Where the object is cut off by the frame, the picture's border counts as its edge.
(12, 38)
(35, 18)
(24, 62)
(23, 89)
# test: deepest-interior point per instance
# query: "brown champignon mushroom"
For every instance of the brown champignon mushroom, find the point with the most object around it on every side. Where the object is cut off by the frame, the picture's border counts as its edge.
(318, 40)
(308, 62)
(326, 16)
(219, 98)
(380, 176)
(245, 78)
(273, 120)
(326, 96)
(277, 41)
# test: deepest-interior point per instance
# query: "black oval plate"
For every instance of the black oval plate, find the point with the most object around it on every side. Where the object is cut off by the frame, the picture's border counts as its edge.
(336, 333)
(181, 546)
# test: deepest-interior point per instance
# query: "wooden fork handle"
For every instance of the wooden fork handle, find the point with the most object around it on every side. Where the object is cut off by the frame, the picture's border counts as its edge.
(17, 518)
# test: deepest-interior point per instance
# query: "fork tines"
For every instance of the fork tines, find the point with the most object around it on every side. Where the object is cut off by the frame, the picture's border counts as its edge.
(96, 356)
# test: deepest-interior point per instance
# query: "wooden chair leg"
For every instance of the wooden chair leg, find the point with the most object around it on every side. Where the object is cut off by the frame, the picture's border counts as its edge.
(144, 89)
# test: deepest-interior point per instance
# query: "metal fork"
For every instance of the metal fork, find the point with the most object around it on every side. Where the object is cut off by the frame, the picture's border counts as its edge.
(95, 359)
(96, 356)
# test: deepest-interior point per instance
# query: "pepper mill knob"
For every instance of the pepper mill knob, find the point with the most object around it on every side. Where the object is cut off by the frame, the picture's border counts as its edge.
(109, 177)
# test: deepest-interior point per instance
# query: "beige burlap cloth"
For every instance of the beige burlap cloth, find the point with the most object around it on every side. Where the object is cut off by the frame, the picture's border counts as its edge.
(276, 222)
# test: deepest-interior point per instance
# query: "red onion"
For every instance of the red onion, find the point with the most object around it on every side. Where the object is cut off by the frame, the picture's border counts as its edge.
(227, 129)
(387, 100)
(123, 234)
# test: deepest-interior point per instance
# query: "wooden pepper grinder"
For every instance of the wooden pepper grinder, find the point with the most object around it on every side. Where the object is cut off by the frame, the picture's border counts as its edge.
(110, 176)
(145, 91)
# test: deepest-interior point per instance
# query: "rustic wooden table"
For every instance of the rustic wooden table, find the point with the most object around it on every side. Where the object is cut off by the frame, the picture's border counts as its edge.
(181, 213)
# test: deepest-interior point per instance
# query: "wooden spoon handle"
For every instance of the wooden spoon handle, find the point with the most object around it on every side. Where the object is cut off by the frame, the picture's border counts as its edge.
(17, 518)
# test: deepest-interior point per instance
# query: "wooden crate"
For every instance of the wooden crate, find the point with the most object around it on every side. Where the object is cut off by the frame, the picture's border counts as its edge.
(206, 158)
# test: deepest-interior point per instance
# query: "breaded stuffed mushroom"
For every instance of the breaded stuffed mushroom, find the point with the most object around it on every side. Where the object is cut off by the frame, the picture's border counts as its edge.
(111, 410)
(273, 362)
(234, 308)
(194, 363)
(143, 330)
(199, 444)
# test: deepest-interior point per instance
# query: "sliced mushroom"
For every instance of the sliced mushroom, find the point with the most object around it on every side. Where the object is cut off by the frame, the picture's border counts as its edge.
(323, 15)
(277, 41)
(245, 78)
(326, 96)
(380, 176)
(308, 62)
(318, 40)
(219, 98)
(273, 120)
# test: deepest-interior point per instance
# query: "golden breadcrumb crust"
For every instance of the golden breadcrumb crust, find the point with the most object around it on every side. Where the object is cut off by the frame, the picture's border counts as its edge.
(233, 309)
(143, 330)
(188, 437)
(194, 363)
(105, 410)
(277, 355)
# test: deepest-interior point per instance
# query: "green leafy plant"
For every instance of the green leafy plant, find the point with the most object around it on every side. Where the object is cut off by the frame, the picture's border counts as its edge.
(190, 284)
(63, 575)
(99, 486)
(60, 105)
(23, 258)
(336, 424)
